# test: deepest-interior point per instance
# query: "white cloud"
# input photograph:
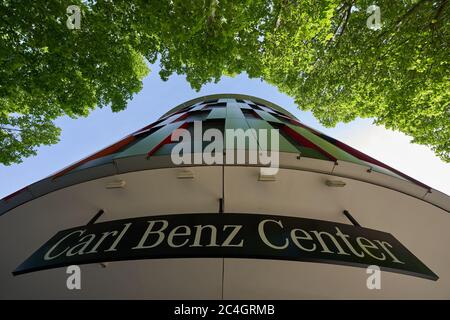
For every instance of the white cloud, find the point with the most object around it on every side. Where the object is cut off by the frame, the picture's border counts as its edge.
(395, 149)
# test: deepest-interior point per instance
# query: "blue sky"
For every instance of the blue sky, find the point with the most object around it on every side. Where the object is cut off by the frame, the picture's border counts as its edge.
(84, 136)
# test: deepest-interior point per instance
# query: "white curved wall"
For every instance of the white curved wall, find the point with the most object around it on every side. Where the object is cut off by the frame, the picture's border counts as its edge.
(423, 228)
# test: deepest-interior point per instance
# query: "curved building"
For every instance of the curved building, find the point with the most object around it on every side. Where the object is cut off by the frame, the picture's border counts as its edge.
(275, 210)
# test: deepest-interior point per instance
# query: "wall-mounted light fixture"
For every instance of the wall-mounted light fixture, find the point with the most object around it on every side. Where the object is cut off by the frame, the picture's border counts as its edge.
(335, 183)
(185, 174)
(115, 184)
(267, 177)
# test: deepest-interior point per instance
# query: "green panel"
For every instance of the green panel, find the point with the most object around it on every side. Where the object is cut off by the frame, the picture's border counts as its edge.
(198, 107)
(171, 119)
(148, 143)
(325, 145)
(267, 116)
(311, 153)
(283, 144)
(267, 109)
(244, 105)
(233, 111)
(217, 113)
(165, 149)
(235, 123)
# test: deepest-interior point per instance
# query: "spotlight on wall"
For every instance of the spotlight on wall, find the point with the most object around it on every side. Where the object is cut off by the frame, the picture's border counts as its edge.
(267, 177)
(115, 184)
(335, 183)
(185, 174)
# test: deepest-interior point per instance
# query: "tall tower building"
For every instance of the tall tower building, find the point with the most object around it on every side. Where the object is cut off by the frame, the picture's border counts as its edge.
(226, 197)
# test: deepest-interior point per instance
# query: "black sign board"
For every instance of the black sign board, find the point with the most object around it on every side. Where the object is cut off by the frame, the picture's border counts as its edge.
(229, 235)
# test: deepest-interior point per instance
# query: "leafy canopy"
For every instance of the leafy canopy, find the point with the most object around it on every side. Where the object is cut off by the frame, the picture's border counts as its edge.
(318, 51)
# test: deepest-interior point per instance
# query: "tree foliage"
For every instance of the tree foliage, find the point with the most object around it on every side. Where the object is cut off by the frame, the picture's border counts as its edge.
(318, 51)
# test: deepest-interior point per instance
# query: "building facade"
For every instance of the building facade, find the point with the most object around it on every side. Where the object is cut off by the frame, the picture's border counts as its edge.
(194, 247)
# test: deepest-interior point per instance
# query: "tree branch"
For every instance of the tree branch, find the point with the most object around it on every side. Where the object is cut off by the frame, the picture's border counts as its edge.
(439, 11)
(405, 15)
(10, 129)
(343, 24)
(283, 4)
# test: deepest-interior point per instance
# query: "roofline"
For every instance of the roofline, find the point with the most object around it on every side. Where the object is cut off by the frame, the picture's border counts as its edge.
(224, 96)
(130, 164)
(287, 161)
